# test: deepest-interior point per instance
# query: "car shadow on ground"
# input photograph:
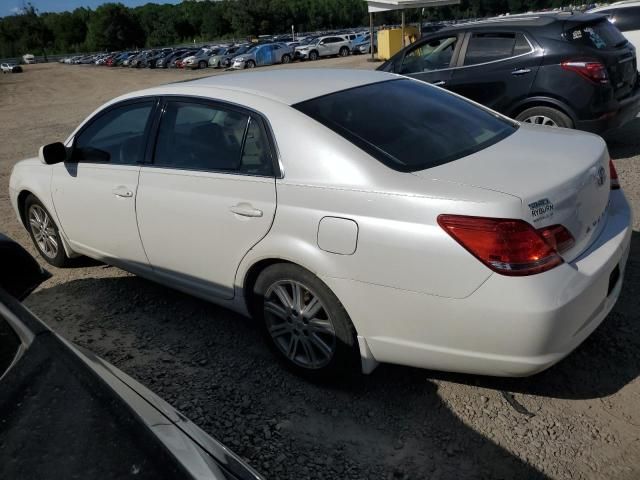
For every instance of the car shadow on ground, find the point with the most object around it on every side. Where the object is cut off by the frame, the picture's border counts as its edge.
(214, 366)
(624, 142)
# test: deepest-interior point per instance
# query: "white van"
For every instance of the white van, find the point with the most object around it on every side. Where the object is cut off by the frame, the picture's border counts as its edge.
(626, 16)
(28, 58)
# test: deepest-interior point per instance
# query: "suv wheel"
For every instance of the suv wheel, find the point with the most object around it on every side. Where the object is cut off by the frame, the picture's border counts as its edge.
(547, 116)
(344, 51)
(313, 55)
(304, 322)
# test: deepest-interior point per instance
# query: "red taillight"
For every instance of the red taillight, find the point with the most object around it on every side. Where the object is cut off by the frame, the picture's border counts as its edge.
(591, 70)
(509, 247)
(613, 175)
(558, 237)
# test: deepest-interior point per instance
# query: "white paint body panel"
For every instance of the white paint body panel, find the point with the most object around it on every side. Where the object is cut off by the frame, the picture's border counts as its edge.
(414, 295)
(190, 234)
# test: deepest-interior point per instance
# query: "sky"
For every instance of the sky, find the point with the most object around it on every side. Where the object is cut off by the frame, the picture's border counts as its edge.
(8, 7)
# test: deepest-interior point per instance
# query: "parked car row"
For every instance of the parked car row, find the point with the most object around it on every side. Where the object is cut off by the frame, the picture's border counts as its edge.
(237, 56)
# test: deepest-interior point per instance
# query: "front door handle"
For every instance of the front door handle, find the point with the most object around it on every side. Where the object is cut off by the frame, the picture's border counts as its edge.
(439, 83)
(245, 210)
(122, 191)
(521, 71)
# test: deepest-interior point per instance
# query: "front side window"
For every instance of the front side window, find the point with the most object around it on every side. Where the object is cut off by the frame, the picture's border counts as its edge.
(416, 126)
(117, 136)
(433, 55)
(489, 47)
(196, 136)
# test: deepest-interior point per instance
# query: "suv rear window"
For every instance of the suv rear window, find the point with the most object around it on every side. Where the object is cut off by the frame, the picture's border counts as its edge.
(598, 35)
(408, 125)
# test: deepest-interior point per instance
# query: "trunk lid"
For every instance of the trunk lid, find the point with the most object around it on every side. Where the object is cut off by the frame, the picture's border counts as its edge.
(560, 176)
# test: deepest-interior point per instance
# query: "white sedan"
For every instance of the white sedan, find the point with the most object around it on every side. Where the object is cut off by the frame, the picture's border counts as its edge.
(360, 216)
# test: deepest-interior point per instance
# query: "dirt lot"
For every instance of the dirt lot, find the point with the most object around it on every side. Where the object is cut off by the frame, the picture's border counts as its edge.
(580, 419)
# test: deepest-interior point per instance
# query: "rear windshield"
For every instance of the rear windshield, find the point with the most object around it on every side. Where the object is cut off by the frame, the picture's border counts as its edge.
(408, 125)
(600, 35)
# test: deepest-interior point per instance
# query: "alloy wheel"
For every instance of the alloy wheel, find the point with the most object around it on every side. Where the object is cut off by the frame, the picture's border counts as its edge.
(299, 324)
(540, 120)
(43, 231)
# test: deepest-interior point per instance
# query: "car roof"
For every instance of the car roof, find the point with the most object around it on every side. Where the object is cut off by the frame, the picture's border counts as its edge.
(541, 19)
(288, 86)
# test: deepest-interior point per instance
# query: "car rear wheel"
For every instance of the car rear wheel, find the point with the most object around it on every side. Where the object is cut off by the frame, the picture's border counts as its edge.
(251, 64)
(313, 55)
(304, 322)
(547, 116)
(202, 64)
(286, 58)
(44, 233)
(344, 51)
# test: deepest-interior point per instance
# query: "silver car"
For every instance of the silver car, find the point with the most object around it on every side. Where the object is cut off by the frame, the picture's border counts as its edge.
(200, 59)
(265, 54)
(224, 57)
(325, 47)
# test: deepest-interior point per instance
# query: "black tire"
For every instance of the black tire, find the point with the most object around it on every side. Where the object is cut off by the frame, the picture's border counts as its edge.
(313, 55)
(344, 359)
(250, 64)
(60, 258)
(286, 58)
(344, 52)
(202, 64)
(545, 116)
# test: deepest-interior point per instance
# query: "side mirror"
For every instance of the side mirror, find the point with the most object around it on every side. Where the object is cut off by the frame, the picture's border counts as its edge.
(53, 153)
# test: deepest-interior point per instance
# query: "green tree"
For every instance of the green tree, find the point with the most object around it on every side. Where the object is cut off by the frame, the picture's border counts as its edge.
(114, 27)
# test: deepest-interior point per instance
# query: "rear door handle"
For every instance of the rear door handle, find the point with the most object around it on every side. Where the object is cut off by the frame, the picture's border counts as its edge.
(521, 71)
(245, 210)
(439, 83)
(122, 191)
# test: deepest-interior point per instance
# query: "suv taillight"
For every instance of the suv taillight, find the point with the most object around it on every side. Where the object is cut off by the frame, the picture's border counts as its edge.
(613, 175)
(509, 246)
(589, 69)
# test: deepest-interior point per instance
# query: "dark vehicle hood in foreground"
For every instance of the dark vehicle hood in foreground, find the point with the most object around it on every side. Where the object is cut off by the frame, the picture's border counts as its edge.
(65, 413)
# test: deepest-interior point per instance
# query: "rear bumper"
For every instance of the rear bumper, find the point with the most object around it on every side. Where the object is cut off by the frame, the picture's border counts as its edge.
(627, 110)
(510, 326)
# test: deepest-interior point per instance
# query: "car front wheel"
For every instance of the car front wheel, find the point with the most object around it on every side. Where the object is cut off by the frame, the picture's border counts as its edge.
(344, 51)
(44, 233)
(202, 64)
(286, 58)
(305, 323)
(251, 64)
(313, 56)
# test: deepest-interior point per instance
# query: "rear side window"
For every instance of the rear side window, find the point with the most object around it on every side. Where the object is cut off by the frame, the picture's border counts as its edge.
(600, 35)
(489, 47)
(411, 126)
(196, 136)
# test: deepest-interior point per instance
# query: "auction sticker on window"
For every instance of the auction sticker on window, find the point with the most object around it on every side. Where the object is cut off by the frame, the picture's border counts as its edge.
(541, 209)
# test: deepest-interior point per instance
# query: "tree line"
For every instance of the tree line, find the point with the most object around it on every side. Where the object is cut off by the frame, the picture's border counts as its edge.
(113, 26)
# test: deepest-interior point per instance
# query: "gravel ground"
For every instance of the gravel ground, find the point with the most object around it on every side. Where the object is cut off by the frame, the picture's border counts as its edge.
(580, 419)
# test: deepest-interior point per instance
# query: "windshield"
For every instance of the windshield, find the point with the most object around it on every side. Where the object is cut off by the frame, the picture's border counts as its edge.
(416, 127)
(600, 35)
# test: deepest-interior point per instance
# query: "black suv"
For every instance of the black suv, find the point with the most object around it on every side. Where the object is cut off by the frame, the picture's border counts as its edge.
(566, 70)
